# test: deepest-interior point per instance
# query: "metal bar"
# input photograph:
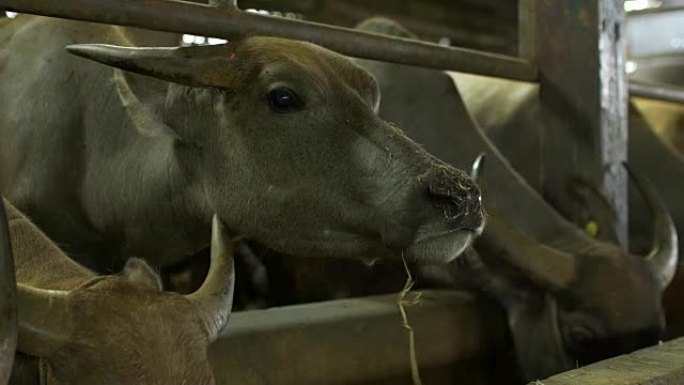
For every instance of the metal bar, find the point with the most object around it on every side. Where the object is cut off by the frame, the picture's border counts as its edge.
(656, 91)
(199, 19)
(8, 300)
(362, 340)
(658, 365)
(650, 11)
(583, 90)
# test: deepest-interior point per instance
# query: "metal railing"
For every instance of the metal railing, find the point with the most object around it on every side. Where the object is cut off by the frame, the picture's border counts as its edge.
(657, 91)
(228, 22)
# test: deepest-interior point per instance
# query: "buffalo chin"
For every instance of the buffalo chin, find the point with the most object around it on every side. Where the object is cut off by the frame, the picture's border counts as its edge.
(442, 248)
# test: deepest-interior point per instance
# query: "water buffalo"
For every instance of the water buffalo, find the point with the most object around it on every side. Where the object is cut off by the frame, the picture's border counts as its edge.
(76, 327)
(278, 137)
(509, 110)
(571, 299)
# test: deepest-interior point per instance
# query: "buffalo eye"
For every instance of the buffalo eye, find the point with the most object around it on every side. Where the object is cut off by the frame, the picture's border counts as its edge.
(580, 336)
(283, 99)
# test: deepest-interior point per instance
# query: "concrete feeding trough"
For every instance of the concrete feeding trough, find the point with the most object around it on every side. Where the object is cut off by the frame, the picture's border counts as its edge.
(361, 341)
(460, 338)
(657, 365)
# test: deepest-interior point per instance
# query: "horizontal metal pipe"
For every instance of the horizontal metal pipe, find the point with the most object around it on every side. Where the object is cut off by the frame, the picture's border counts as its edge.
(204, 20)
(656, 91)
(459, 339)
(650, 11)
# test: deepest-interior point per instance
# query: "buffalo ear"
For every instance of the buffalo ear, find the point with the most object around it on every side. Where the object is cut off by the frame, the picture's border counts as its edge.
(199, 66)
(140, 273)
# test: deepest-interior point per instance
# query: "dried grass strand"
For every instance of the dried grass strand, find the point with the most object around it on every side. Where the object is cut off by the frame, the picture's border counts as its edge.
(402, 302)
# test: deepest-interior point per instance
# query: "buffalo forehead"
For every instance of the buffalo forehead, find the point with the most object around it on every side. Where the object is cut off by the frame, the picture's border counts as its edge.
(620, 288)
(325, 65)
(116, 303)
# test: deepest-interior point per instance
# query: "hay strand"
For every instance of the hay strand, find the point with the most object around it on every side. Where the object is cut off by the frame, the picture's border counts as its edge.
(402, 302)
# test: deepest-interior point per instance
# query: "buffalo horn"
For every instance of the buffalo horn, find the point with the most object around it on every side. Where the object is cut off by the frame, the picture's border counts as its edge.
(182, 65)
(543, 265)
(45, 322)
(215, 296)
(477, 166)
(662, 259)
(8, 301)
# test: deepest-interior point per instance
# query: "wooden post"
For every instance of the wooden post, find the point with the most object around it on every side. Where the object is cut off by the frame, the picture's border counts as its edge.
(580, 53)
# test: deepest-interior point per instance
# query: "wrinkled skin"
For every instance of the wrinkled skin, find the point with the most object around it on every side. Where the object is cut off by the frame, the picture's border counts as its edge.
(119, 329)
(138, 163)
(561, 313)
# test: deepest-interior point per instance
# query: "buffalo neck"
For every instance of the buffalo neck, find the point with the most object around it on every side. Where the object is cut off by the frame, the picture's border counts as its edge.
(148, 190)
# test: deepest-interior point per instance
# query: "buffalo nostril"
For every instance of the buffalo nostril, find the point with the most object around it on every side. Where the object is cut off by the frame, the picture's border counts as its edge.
(441, 193)
(460, 201)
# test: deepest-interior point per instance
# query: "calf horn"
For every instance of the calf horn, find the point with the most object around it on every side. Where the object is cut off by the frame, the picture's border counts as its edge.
(45, 321)
(8, 301)
(662, 259)
(215, 296)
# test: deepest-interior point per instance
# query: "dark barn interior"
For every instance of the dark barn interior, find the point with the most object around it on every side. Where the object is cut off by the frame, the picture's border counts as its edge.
(341, 192)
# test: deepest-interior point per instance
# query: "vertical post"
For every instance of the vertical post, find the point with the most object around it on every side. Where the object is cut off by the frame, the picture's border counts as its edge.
(580, 53)
(527, 44)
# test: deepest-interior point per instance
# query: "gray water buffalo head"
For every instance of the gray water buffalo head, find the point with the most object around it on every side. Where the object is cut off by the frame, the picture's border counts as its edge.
(124, 329)
(575, 300)
(284, 142)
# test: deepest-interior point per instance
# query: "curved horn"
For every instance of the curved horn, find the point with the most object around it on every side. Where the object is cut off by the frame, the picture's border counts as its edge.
(478, 165)
(45, 320)
(182, 65)
(215, 296)
(664, 255)
(8, 301)
(548, 267)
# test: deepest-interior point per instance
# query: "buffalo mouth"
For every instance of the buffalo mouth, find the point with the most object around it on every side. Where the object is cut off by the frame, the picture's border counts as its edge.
(442, 247)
